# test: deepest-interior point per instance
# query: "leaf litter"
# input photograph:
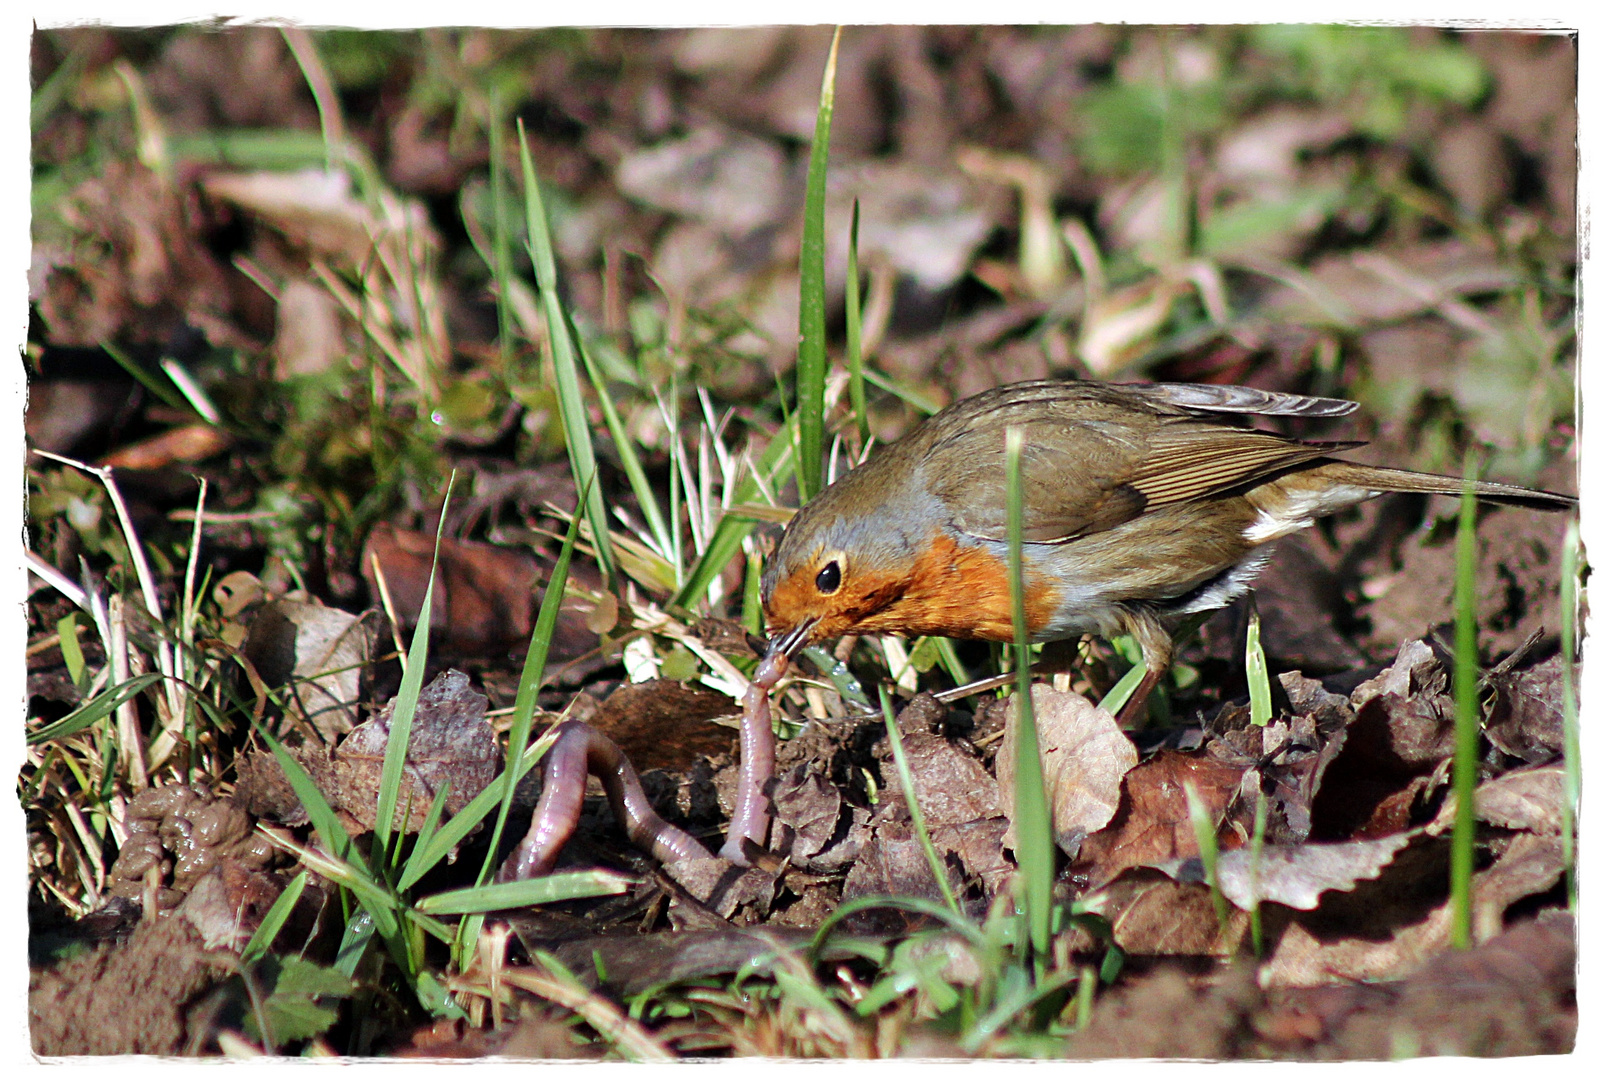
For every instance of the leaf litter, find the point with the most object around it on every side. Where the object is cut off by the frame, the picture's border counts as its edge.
(678, 171)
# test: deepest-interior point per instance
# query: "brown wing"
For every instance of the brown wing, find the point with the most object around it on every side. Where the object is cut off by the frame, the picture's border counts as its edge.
(1093, 468)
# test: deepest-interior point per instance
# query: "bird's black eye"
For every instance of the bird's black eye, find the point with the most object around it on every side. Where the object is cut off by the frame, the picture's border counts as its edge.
(830, 578)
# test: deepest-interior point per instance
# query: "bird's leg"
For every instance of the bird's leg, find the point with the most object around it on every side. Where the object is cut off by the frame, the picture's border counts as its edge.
(1059, 660)
(1154, 640)
(1133, 711)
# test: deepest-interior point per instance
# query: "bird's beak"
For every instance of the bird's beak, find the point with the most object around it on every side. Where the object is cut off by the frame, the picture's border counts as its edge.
(788, 643)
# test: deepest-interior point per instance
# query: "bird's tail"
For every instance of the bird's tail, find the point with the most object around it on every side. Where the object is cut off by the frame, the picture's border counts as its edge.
(1379, 478)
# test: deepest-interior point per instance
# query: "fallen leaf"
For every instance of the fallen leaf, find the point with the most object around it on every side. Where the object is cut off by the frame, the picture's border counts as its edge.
(1378, 931)
(807, 809)
(451, 742)
(665, 724)
(1085, 755)
(1151, 915)
(486, 598)
(1294, 876)
(181, 445)
(1525, 720)
(951, 785)
(319, 653)
(894, 863)
(1529, 799)
(723, 886)
(1152, 825)
(731, 180)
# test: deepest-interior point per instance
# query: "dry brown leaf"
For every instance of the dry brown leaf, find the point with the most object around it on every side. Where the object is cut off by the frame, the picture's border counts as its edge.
(1367, 943)
(1529, 799)
(1152, 915)
(807, 809)
(451, 742)
(485, 598)
(187, 444)
(1294, 875)
(951, 785)
(894, 863)
(1525, 720)
(319, 652)
(665, 724)
(1152, 825)
(1084, 753)
(723, 886)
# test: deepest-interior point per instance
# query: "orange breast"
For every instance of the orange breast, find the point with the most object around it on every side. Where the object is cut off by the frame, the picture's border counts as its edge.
(960, 591)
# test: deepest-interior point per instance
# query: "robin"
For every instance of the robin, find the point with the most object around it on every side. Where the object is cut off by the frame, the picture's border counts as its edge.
(1142, 504)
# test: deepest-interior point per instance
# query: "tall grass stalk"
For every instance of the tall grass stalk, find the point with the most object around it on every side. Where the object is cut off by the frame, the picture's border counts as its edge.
(501, 242)
(855, 348)
(1204, 834)
(1033, 835)
(775, 463)
(565, 367)
(811, 295)
(1256, 673)
(406, 705)
(629, 460)
(1467, 726)
(917, 818)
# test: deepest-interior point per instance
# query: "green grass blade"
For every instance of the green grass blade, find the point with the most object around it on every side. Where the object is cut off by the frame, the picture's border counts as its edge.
(565, 368)
(95, 710)
(72, 653)
(909, 397)
(378, 901)
(1572, 772)
(1033, 834)
(354, 941)
(1256, 673)
(1465, 775)
(855, 347)
(949, 657)
(524, 701)
(551, 889)
(432, 821)
(811, 296)
(1204, 834)
(501, 242)
(162, 388)
(646, 498)
(437, 846)
(752, 595)
(776, 464)
(917, 817)
(406, 705)
(273, 921)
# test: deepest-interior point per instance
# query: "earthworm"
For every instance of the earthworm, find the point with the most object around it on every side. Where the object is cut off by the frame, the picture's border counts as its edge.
(752, 817)
(581, 749)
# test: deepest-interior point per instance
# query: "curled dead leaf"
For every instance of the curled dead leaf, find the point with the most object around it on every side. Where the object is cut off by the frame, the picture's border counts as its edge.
(1293, 875)
(1085, 754)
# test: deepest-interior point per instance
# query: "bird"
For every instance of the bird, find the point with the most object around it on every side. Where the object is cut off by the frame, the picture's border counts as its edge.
(1143, 505)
